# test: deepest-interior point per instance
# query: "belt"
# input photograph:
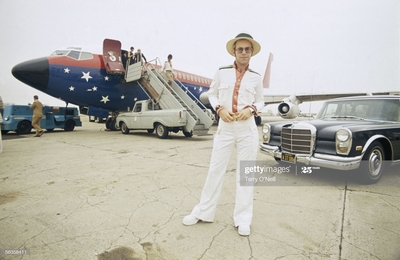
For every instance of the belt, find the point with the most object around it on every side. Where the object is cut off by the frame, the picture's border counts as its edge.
(235, 117)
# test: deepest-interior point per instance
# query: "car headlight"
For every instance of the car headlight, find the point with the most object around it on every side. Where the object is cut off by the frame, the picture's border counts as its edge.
(343, 141)
(266, 133)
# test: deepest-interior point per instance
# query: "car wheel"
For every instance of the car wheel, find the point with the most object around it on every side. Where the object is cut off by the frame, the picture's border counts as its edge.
(161, 131)
(69, 125)
(371, 168)
(24, 127)
(124, 128)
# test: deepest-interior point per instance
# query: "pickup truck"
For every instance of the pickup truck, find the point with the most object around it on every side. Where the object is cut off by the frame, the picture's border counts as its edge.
(147, 115)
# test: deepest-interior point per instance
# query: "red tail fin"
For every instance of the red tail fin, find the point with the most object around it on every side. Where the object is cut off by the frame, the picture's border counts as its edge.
(267, 74)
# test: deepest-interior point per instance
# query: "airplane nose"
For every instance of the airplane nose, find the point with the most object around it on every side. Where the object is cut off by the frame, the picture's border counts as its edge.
(34, 73)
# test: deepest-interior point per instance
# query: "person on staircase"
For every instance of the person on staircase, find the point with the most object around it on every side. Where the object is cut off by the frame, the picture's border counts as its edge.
(169, 71)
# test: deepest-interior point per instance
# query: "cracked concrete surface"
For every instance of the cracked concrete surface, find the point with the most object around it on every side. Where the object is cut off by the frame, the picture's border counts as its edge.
(91, 194)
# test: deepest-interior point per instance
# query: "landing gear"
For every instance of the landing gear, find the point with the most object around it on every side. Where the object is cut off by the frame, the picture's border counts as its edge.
(187, 134)
(111, 123)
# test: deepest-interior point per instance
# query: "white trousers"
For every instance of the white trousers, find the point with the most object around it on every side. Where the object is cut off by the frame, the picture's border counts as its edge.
(243, 135)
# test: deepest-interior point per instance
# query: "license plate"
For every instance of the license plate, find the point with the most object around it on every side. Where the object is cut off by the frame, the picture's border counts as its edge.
(288, 157)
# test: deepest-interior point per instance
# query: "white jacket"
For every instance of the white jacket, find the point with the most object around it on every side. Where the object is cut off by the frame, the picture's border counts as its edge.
(222, 87)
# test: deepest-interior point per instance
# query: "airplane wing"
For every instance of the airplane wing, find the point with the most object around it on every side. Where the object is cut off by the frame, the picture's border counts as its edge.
(300, 98)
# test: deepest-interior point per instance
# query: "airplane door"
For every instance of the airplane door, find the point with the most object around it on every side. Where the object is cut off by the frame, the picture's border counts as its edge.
(112, 56)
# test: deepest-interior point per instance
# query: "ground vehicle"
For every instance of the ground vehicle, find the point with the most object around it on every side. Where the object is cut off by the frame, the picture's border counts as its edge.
(19, 118)
(169, 108)
(360, 133)
(149, 116)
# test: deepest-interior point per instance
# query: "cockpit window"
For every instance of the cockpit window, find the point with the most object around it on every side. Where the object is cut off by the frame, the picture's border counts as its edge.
(74, 54)
(59, 53)
(86, 56)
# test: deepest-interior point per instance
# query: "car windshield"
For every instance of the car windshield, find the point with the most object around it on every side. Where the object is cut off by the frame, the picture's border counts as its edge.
(374, 109)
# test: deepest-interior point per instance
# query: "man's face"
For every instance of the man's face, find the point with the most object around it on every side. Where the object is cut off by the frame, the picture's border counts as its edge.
(243, 51)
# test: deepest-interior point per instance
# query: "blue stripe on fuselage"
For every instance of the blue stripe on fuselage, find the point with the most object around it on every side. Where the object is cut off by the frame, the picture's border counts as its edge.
(98, 88)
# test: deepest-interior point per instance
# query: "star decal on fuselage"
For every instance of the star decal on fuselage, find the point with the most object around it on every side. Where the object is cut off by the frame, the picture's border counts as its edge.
(106, 78)
(71, 88)
(86, 76)
(104, 99)
(66, 70)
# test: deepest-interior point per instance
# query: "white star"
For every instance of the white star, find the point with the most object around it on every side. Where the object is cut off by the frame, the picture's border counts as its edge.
(122, 97)
(94, 88)
(106, 78)
(201, 89)
(71, 88)
(66, 70)
(135, 99)
(104, 99)
(86, 76)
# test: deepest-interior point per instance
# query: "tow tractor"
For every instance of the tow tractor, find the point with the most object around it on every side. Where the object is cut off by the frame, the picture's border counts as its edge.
(18, 118)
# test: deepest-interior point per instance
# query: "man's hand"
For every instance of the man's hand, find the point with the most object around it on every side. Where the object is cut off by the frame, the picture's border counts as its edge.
(226, 116)
(244, 114)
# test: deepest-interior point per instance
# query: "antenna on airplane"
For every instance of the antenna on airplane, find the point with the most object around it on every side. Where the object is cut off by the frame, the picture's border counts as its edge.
(267, 74)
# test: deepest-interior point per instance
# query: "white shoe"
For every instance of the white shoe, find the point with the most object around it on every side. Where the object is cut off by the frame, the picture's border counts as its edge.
(190, 220)
(244, 230)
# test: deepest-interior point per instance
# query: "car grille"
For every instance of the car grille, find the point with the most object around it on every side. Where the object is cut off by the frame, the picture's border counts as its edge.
(296, 140)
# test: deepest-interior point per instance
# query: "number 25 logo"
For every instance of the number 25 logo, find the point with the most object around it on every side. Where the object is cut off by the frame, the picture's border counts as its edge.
(306, 170)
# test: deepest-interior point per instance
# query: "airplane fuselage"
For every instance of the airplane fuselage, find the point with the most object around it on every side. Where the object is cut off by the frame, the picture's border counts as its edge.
(81, 78)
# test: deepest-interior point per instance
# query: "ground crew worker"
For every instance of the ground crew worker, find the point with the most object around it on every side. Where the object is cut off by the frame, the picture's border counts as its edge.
(236, 94)
(37, 115)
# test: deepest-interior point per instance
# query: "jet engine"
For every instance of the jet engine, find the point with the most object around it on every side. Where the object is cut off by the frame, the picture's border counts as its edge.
(289, 108)
(204, 98)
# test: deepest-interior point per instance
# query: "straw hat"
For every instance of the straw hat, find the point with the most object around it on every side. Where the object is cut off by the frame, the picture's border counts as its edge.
(243, 36)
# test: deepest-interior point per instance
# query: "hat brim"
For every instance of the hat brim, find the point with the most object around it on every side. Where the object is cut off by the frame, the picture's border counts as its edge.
(256, 45)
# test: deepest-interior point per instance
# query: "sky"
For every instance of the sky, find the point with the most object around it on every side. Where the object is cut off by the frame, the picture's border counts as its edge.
(319, 46)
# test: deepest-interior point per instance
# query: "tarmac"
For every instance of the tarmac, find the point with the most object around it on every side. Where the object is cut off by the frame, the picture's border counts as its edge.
(96, 194)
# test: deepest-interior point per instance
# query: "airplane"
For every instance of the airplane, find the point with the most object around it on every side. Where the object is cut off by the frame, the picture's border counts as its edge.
(97, 82)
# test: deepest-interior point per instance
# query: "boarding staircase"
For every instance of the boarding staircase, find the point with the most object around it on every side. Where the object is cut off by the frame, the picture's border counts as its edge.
(199, 118)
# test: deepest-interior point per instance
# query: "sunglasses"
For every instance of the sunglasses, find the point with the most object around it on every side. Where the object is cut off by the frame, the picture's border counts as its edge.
(240, 50)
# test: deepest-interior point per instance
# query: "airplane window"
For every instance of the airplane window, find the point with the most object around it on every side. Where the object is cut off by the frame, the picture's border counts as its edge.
(59, 53)
(74, 54)
(86, 56)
